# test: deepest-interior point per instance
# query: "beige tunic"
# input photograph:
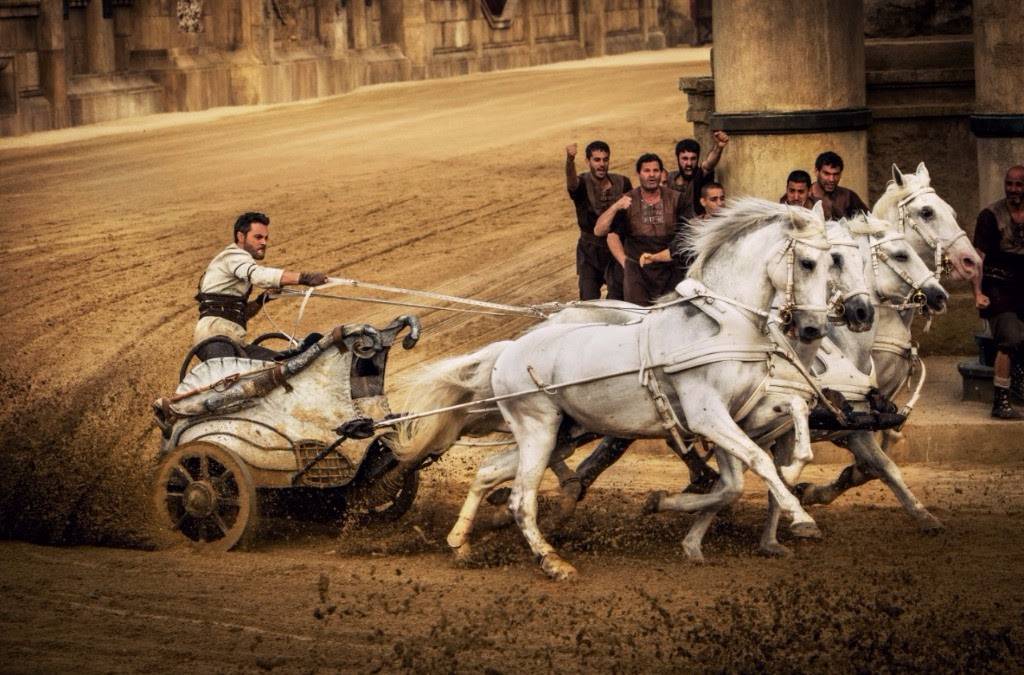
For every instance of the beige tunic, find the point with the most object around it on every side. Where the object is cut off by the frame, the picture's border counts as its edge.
(233, 271)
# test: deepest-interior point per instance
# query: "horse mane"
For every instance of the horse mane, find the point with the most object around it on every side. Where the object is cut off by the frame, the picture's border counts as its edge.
(865, 223)
(738, 218)
(894, 192)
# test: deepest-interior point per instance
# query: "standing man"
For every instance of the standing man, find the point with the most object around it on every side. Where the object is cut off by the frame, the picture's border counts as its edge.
(592, 193)
(838, 202)
(693, 174)
(645, 220)
(224, 305)
(798, 190)
(999, 238)
(712, 198)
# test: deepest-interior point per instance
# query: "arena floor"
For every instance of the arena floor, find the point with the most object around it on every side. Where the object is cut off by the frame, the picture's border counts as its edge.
(455, 186)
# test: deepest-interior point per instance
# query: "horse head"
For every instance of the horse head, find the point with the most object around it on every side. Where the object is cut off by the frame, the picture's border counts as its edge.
(851, 297)
(928, 222)
(799, 268)
(899, 277)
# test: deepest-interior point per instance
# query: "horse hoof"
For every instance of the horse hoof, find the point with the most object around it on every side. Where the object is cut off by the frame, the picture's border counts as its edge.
(929, 524)
(774, 551)
(556, 568)
(463, 553)
(653, 502)
(805, 530)
(693, 553)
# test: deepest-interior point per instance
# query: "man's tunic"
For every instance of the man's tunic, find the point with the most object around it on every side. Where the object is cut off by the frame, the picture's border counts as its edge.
(595, 265)
(649, 228)
(1001, 241)
(840, 203)
(690, 190)
(232, 273)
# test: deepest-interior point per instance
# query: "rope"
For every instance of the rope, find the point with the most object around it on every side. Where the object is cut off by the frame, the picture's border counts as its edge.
(529, 310)
(399, 303)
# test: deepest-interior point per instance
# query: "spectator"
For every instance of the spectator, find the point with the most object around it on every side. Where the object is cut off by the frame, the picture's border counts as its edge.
(838, 202)
(798, 189)
(999, 238)
(592, 193)
(692, 173)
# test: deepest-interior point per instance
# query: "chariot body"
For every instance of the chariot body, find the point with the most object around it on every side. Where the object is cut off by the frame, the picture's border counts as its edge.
(245, 438)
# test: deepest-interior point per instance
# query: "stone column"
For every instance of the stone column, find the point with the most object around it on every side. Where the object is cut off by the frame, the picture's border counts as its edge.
(52, 67)
(413, 35)
(99, 39)
(788, 86)
(998, 121)
(592, 26)
(357, 16)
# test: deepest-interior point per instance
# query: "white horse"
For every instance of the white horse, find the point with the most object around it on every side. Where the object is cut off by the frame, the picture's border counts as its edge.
(779, 410)
(755, 249)
(931, 228)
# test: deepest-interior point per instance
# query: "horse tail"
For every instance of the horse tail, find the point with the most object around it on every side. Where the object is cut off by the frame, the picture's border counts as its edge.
(460, 379)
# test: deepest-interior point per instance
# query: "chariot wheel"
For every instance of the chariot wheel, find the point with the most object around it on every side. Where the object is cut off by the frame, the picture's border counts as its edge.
(204, 495)
(398, 502)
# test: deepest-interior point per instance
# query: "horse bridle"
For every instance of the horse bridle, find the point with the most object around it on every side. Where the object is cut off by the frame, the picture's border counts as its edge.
(915, 298)
(837, 303)
(930, 237)
(789, 304)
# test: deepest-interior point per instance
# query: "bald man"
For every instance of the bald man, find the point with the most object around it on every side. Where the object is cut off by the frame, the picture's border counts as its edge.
(999, 238)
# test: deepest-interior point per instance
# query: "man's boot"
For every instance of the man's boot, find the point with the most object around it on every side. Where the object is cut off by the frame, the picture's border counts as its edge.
(1001, 408)
(603, 456)
(1017, 379)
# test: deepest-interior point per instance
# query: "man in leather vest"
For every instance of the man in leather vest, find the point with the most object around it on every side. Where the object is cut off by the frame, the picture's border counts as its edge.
(224, 289)
(645, 220)
(999, 238)
(692, 173)
(838, 202)
(592, 193)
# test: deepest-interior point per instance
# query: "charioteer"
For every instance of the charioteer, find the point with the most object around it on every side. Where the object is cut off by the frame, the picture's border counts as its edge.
(225, 287)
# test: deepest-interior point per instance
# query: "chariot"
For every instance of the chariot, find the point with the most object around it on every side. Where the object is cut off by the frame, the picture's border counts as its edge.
(246, 438)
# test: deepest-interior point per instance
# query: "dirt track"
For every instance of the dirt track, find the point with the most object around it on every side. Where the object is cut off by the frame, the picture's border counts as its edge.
(454, 186)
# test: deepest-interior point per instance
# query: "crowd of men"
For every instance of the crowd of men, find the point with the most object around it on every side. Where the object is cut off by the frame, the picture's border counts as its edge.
(629, 237)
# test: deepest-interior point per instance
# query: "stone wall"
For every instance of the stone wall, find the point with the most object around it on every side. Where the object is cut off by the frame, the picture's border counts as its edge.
(106, 59)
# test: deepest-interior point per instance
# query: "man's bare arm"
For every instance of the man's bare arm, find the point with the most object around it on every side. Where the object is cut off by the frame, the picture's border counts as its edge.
(604, 221)
(615, 246)
(981, 300)
(572, 180)
(711, 161)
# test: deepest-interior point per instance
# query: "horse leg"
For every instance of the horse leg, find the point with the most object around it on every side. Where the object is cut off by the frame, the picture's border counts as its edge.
(494, 471)
(536, 442)
(798, 443)
(604, 455)
(871, 456)
(850, 477)
(570, 488)
(731, 480)
(707, 416)
(702, 476)
(783, 450)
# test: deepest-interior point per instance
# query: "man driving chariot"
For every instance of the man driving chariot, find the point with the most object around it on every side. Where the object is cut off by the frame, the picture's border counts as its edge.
(227, 283)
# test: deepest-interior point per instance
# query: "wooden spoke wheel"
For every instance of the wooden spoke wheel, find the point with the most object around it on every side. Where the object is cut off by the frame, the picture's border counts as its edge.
(205, 495)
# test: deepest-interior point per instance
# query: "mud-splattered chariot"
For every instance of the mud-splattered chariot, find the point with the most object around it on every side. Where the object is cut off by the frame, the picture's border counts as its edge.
(245, 438)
